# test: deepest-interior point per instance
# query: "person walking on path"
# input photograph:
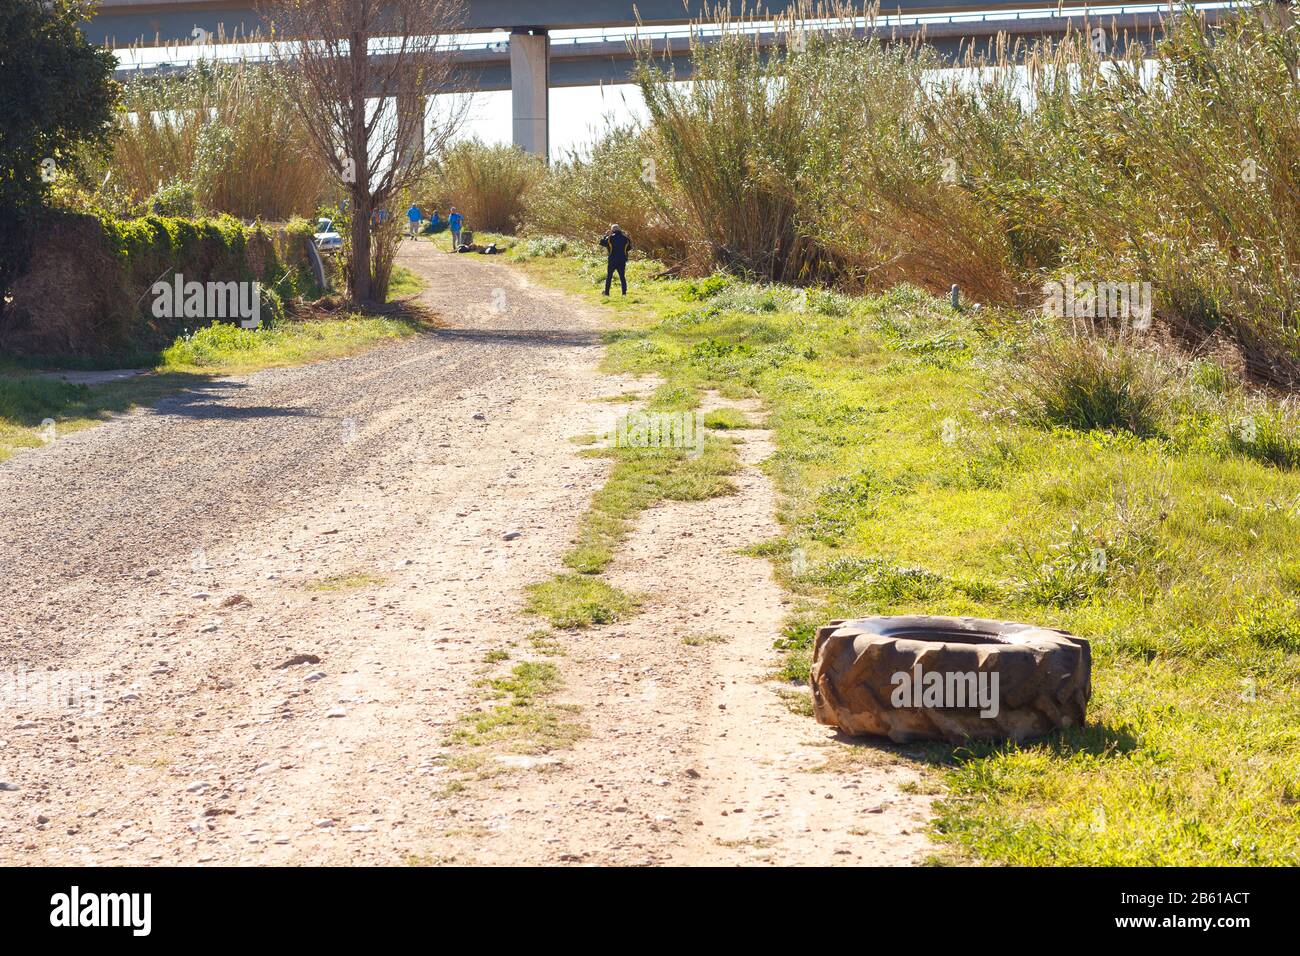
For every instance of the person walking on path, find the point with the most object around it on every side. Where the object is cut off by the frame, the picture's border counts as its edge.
(618, 244)
(415, 217)
(454, 221)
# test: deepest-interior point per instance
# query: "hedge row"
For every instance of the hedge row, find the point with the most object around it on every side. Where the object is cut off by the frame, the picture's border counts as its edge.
(87, 289)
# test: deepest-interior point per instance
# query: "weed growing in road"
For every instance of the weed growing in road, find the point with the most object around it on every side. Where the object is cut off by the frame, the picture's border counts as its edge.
(522, 720)
(640, 478)
(575, 600)
(699, 640)
(345, 582)
(797, 701)
(543, 642)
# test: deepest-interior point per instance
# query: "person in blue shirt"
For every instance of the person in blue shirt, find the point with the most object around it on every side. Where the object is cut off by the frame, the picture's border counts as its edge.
(454, 221)
(415, 217)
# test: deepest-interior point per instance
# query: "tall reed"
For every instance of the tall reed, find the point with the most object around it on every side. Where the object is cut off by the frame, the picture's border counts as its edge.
(223, 134)
(490, 185)
(616, 181)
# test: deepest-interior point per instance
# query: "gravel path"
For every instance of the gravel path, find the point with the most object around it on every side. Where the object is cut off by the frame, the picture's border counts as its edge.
(351, 517)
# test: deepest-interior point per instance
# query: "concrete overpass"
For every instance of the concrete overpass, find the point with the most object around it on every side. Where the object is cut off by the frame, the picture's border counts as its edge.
(530, 63)
(123, 22)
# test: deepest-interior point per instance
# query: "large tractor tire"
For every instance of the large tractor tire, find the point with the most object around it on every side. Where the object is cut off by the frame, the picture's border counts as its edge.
(995, 679)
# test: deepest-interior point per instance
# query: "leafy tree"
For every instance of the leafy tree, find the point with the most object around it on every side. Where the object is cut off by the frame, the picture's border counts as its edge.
(56, 95)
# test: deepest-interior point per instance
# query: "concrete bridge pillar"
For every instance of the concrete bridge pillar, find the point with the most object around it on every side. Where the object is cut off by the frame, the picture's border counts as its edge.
(530, 82)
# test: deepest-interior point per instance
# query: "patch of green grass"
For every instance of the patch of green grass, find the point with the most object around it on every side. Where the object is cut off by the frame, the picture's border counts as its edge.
(1086, 383)
(641, 477)
(727, 418)
(522, 720)
(404, 283)
(228, 348)
(345, 582)
(699, 640)
(570, 601)
(1125, 515)
(495, 656)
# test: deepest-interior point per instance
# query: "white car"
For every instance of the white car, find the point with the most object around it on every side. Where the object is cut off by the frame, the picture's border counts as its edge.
(326, 239)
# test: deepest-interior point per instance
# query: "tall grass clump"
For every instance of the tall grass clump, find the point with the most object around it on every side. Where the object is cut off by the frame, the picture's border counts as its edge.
(490, 185)
(220, 138)
(741, 142)
(902, 157)
(615, 180)
(1088, 383)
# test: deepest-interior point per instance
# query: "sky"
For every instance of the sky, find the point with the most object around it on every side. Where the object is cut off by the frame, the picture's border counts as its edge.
(577, 115)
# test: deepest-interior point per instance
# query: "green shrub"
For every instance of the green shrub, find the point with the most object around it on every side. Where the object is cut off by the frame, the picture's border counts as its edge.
(1086, 383)
(545, 247)
(706, 288)
(87, 290)
(173, 198)
(1268, 432)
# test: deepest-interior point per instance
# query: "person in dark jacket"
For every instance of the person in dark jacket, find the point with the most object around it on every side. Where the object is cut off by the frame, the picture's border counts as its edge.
(618, 244)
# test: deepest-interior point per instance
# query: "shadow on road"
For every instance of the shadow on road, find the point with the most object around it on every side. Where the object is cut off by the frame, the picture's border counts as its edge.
(209, 399)
(543, 338)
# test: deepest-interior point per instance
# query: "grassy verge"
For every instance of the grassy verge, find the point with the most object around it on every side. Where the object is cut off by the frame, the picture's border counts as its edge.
(35, 409)
(905, 490)
(228, 348)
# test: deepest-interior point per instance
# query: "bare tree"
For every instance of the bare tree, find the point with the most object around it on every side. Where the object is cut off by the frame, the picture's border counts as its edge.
(342, 60)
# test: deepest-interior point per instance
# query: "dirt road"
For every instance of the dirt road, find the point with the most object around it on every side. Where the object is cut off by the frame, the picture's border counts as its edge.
(281, 590)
